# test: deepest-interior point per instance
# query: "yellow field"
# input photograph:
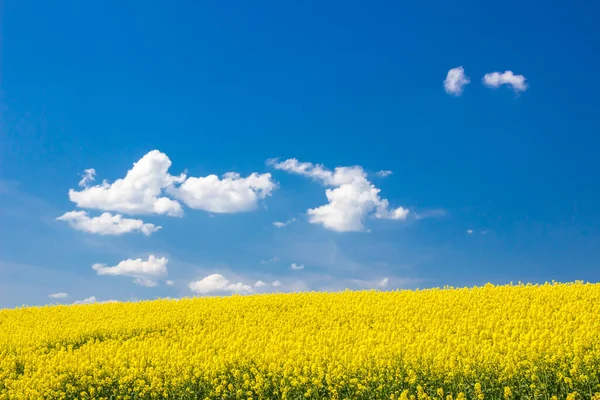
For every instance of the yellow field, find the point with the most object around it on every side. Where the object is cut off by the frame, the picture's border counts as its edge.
(492, 342)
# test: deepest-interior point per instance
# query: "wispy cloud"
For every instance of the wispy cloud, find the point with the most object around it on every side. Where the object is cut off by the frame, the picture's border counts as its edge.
(89, 175)
(295, 266)
(280, 224)
(434, 213)
(60, 295)
(106, 223)
(384, 173)
(270, 260)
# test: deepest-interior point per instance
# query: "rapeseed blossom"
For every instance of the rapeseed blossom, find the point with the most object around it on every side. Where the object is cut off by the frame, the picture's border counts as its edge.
(491, 342)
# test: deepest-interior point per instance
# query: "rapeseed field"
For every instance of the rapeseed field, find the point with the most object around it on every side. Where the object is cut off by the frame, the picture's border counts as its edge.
(491, 342)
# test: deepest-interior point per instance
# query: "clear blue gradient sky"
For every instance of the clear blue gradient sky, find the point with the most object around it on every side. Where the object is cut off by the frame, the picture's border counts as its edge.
(500, 184)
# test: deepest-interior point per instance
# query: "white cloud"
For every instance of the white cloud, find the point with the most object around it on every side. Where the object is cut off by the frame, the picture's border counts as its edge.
(495, 79)
(106, 223)
(384, 173)
(386, 282)
(92, 299)
(350, 201)
(60, 295)
(89, 175)
(259, 284)
(144, 272)
(170, 282)
(470, 231)
(145, 282)
(217, 283)
(276, 283)
(140, 192)
(455, 81)
(230, 194)
(296, 266)
(280, 224)
(89, 300)
(270, 260)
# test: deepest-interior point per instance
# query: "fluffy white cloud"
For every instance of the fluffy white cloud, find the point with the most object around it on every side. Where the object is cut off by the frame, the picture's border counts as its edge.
(280, 224)
(230, 194)
(60, 295)
(276, 283)
(455, 81)
(106, 223)
(259, 284)
(383, 173)
(217, 283)
(350, 201)
(144, 272)
(89, 300)
(470, 231)
(170, 282)
(89, 175)
(140, 192)
(495, 79)
(296, 266)
(148, 188)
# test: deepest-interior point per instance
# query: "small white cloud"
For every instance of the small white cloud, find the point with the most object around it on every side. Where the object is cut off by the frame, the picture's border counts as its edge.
(169, 282)
(296, 266)
(259, 284)
(60, 295)
(89, 175)
(144, 272)
(92, 299)
(231, 194)
(106, 223)
(140, 192)
(351, 199)
(496, 79)
(399, 213)
(280, 224)
(455, 81)
(217, 283)
(384, 173)
(276, 283)
(386, 282)
(89, 300)
(270, 260)
(470, 231)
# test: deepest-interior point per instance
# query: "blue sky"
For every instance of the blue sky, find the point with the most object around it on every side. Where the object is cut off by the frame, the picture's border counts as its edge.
(491, 181)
